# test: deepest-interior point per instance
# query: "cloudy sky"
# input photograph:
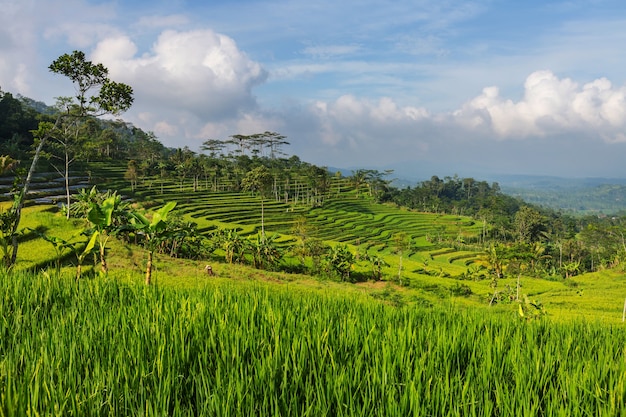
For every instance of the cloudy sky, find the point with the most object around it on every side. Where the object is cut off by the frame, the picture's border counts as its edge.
(429, 87)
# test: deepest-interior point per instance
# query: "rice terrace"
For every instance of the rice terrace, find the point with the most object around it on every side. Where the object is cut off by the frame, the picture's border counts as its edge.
(142, 280)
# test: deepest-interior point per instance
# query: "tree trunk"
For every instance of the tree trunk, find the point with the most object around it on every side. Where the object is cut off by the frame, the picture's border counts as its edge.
(18, 204)
(493, 297)
(67, 184)
(262, 220)
(103, 262)
(149, 269)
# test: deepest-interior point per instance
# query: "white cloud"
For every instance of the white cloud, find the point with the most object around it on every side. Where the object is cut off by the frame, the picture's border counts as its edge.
(361, 131)
(552, 111)
(357, 90)
(550, 106)
(163, 128)
(81, 34)
(187, 78)
(200, 71)
(33, 33)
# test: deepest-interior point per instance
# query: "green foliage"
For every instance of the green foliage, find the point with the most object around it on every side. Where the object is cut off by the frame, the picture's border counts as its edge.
(101, 217)
(7, 222)
(530, 309)
(265, 252)
(530, 225)
(109, 97)
(377, 263)
(257, 180)
(81, 254)
(233, 244)
(153, 230)
(340, 261)
(460, 290)
(60, 245)
(17, 120)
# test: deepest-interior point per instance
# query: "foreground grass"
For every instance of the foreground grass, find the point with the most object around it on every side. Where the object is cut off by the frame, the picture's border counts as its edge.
(103, 347)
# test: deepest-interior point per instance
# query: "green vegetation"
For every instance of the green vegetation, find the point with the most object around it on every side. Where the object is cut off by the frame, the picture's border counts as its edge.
(276, 288)
(107, 347)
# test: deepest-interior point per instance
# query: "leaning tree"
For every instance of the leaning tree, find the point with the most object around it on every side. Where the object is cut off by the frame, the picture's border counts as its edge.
(96, 95)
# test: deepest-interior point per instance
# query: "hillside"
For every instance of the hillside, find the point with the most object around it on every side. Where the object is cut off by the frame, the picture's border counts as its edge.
(427, 259)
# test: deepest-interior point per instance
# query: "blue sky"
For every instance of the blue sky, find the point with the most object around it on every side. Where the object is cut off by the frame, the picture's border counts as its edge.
(428, 87)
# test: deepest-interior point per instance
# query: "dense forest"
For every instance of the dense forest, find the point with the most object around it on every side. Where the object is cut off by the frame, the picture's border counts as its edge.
(556, 244)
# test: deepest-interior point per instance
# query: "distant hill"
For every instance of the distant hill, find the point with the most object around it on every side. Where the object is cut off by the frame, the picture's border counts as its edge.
(572, 195)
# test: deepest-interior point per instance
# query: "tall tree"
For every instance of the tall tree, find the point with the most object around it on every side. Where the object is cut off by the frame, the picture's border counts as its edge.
(259, 180)
(65, 145)
(274, 141)
(530, 225)
(213, 146)
(96, 95)
(358, 179)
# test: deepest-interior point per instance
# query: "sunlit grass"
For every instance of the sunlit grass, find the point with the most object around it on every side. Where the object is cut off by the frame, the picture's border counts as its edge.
(115, 347)
(428, 277)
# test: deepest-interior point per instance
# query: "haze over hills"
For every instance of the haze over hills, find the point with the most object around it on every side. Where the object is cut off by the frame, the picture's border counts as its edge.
(580, 195)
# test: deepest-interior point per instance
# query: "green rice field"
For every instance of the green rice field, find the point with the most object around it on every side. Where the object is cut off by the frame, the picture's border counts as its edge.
(115, 347)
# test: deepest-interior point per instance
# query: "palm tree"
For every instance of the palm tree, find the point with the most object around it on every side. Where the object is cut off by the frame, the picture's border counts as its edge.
(358, 178)
(162, 166)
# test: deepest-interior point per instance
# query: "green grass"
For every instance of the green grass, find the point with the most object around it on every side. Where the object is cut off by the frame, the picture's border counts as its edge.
(429, 277)
(252, 342)
(107, 347)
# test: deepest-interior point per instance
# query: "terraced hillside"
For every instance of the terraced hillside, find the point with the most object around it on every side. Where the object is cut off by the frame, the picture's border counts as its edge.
(431, 256)
(427, 244)
(415, 245)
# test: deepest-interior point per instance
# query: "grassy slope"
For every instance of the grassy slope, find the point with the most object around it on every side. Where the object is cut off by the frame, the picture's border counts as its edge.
(429, 275)
(593, 297)
(101, 347)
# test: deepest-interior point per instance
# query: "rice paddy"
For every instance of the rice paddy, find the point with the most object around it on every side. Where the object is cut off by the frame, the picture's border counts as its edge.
(106, 347)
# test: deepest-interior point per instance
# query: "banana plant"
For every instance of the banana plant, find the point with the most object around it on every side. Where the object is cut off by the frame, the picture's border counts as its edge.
(378, 263)
(340, 260)
(154, 230)
(91, 243)
(60, 245)
(233, 245)
(100, 215)
(265, 252)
